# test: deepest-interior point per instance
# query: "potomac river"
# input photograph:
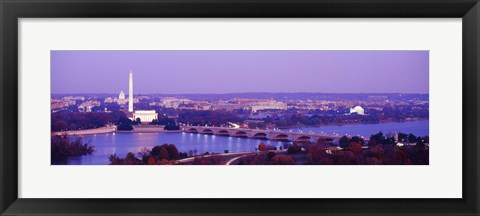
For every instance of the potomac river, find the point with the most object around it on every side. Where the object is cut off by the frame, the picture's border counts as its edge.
(122, 143)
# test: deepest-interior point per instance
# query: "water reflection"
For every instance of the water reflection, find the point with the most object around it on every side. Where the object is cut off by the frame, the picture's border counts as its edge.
(122, 143)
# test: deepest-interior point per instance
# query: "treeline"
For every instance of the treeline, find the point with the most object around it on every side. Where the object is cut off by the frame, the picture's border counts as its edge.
(159, 155)
(64, 120)
(379, 138)
(375, 154)
(291, 120)
(169, 123)
(63, 147)
(207, 117)
(381, 150)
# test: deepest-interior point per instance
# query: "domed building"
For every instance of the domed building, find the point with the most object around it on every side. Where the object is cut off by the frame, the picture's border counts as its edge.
(358, 109)
(121, 95)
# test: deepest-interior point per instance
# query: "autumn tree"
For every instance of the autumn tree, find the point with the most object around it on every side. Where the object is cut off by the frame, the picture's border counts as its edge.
(316, 153)
(262, 147)
(270, 155)
(172, 152)
(282, 160)
(151, 161)
(355, 147)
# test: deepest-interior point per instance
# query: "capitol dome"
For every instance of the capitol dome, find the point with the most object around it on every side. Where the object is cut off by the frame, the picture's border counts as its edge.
(121, 95)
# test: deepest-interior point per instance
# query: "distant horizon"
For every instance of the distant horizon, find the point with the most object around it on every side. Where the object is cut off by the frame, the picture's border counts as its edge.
(236, 93)
(249, 71)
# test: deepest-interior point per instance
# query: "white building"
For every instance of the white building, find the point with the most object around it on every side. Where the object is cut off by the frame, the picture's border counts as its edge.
(121, 95)
(145, 116)
(358, 109)
(269, 105)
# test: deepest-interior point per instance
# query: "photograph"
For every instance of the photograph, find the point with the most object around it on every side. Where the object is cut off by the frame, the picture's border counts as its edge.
(239, 107)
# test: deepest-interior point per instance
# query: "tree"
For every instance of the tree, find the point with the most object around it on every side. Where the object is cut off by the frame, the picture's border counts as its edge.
(62, 147)
(316, 153)
(130, 159)
(172, 152)
(74, 120)
(154, 122)
(262, 147)
(163, 153)
(321, 141)
(357, 139)
(412, 138)
(172, 127)
(377, 151)
(124, 124)
(151, 161)
(271, 147)
(270, 155)
(372, 143)
(377, 138)
(389, 141)
(342, 158)
(60, 125)
(144, 154)
(160, 152)
(293, 149)
(420, 144)
(402, 137)
(344, 142)
(400, 156)
(282, 160)
(355, 147)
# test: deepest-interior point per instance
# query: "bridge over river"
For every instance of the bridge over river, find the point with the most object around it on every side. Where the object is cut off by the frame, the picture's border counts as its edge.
(259, 133)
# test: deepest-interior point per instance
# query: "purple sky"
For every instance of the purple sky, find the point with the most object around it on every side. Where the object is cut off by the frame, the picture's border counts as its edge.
(240, 71)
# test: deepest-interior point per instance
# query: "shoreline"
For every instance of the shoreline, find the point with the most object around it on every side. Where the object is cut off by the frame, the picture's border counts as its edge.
(100, 130)
(345, 124)
(106, 130)
(113, 129)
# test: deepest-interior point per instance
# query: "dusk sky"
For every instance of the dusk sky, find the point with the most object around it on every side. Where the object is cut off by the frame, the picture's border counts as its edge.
(174, 72)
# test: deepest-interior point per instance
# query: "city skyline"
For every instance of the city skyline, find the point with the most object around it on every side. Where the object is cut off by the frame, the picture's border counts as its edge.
(224, 72)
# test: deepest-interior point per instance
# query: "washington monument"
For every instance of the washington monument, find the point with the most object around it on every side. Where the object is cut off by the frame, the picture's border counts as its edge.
(130, 92)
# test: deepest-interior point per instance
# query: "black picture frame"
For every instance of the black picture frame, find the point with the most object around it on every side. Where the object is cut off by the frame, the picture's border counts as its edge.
(11, 10)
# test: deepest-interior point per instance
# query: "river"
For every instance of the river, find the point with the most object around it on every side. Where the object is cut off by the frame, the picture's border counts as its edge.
(122, 143)
(419, 128)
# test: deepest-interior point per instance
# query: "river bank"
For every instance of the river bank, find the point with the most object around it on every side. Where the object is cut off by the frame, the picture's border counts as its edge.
(120, 143)
(160, 128)
(351, 123)
(112, 129)
(101, 130)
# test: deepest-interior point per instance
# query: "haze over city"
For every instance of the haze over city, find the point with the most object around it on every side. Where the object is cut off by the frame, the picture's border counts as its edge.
(206, 72)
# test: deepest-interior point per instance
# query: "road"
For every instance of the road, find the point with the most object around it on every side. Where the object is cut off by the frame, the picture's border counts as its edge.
(190, 159)
(236, 158)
